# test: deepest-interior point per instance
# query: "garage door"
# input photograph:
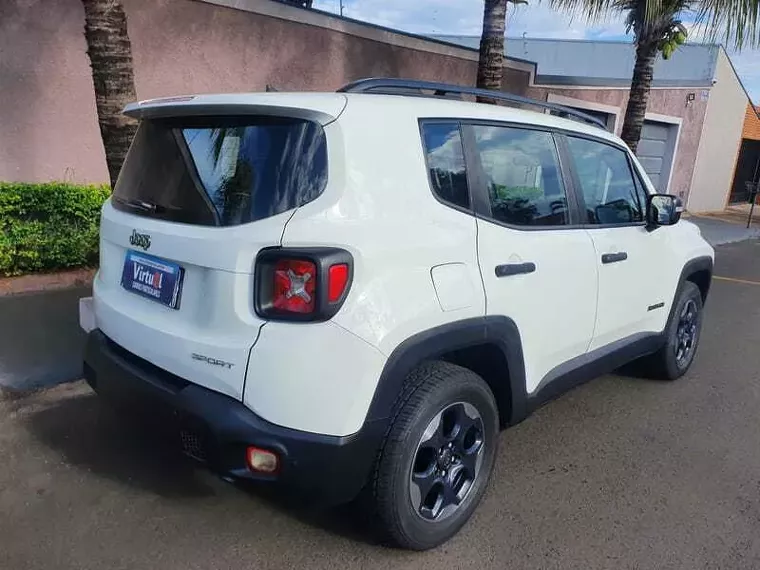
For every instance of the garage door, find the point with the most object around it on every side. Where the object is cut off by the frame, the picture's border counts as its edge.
(654, 152)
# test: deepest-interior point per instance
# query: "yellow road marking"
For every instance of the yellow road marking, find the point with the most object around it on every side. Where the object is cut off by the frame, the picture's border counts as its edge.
(733, 280)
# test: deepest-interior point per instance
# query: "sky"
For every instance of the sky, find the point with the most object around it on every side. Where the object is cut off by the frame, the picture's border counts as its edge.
(536, 20)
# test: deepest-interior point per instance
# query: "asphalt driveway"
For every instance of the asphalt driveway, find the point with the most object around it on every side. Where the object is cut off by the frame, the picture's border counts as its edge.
(41, 342)
(619, 473)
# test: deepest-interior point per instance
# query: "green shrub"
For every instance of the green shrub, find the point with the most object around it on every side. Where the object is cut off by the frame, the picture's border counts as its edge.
(45, 227)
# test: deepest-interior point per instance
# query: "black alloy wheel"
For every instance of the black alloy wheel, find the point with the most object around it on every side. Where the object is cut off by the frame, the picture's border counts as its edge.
(448, 460)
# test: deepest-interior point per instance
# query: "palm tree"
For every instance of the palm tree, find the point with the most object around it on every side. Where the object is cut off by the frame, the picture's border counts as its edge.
(110, 53)
(658, 28)
(491, 57)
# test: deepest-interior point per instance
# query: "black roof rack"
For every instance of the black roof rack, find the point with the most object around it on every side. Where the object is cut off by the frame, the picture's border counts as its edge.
(412, 87)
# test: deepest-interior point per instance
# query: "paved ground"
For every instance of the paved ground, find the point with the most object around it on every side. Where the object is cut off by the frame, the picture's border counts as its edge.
(726, 227)
(620, 473)
(34, 356)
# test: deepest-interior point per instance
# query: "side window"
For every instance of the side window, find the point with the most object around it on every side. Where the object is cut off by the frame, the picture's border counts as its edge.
(607, 183)
(445, 162)
(523, 176)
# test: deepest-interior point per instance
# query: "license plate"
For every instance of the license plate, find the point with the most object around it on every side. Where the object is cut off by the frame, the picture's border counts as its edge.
(152, 277)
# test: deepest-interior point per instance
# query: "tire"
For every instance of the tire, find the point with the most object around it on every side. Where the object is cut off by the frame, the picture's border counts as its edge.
(673, 359)
(461, 409)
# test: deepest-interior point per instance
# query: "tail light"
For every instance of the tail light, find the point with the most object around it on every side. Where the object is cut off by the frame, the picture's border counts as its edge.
(304, 284)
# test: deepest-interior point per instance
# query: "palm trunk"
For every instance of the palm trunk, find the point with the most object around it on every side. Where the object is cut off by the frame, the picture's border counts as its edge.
(110, 55)
(491, 60)
(641, 83)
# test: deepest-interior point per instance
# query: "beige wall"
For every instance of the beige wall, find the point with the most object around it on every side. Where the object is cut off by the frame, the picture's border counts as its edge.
(667, 102)
(721, 137)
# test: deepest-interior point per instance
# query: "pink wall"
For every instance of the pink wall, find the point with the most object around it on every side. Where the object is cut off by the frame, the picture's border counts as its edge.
(48, 122)
(48, 126)
(47, 107)
(183, 46)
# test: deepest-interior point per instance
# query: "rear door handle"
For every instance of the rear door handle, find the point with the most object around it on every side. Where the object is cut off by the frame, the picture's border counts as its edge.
(507, 269)
(614, 257)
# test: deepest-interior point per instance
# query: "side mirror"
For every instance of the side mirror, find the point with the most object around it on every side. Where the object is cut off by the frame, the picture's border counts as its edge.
(663, 210)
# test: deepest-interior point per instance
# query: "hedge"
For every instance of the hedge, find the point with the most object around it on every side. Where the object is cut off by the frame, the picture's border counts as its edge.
(47, 227)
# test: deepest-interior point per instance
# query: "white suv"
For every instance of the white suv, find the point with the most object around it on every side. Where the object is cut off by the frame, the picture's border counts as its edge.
(355, 291)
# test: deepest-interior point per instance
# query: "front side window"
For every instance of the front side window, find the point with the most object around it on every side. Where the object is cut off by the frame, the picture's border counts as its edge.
(522, 175)
(609, 191)
(445, 162)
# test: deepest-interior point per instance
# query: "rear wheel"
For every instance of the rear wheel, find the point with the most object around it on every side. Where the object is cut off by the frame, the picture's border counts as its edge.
(437, 458)
(681, 335)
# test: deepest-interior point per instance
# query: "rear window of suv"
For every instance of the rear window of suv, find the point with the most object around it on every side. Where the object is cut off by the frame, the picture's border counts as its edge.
(222, 172)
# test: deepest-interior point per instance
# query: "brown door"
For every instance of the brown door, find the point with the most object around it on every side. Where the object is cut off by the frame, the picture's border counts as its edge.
(747, 170)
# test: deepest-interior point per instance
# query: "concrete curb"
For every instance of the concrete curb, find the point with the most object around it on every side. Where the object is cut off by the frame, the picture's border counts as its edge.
(38, 282)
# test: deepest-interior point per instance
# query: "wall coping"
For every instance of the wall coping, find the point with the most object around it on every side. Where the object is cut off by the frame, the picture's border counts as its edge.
(349, 26)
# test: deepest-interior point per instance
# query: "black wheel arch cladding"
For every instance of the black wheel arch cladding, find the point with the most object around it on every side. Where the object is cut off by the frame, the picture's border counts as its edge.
(499, 332)
(699, 271)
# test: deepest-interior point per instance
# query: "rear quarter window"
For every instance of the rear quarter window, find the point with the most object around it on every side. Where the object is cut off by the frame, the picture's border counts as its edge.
(444, 155)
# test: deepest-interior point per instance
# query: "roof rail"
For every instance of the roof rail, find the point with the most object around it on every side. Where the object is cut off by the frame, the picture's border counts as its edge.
(394, 86)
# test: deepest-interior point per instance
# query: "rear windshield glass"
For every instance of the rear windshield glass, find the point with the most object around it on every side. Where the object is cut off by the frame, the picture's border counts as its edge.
(222, 171)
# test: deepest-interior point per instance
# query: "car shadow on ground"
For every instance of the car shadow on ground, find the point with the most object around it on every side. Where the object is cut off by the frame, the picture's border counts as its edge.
(93, 437)
(641, 370)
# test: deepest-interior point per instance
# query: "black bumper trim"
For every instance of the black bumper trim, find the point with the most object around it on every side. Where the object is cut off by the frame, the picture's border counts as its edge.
(329, 469)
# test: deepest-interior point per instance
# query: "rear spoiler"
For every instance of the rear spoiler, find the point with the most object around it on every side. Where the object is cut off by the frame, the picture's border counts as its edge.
(319, 107)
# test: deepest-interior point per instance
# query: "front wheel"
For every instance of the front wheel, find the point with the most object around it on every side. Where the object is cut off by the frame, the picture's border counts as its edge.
(681, 335)
(436, 461)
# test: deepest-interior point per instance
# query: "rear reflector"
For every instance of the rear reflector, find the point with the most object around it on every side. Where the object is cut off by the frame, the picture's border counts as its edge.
(262, 461)
(338, 278)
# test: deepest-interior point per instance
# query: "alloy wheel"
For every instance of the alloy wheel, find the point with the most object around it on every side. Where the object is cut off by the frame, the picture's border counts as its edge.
(686, 333)
(447, 461)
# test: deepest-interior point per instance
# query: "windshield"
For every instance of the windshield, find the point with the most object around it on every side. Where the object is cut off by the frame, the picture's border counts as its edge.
(219, 171)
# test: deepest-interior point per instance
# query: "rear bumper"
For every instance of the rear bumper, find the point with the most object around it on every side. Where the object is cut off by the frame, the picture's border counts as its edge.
(217, 429)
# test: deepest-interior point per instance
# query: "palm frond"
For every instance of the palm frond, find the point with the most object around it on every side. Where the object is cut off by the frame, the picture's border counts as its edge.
(590, 10)
(734, 22)
(646, 13)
